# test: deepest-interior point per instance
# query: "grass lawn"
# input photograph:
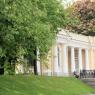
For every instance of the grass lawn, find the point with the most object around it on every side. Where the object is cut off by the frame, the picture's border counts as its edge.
(34, 85)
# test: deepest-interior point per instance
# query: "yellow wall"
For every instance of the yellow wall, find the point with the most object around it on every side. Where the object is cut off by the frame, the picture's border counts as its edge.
(83, 58)
(69, 61)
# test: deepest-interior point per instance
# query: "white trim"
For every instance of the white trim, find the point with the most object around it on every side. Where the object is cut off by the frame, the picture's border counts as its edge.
(72, 39)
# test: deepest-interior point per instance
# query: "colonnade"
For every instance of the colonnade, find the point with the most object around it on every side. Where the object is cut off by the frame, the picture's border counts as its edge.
(72, 60)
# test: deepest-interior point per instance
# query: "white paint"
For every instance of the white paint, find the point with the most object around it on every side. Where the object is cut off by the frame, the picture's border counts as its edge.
(87, 59)
(80, 58)
(60, 62)
(72, 60)
(65, 63)
(56, 69)
(38, 63)
(19, 69)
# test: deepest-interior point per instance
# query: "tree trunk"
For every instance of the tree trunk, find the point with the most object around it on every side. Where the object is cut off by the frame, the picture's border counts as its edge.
(2, 70)
(35, 63)
(2, 66)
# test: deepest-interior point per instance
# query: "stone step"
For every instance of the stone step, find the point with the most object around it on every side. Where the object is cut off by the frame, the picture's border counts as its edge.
(90, 82)
(88, 79)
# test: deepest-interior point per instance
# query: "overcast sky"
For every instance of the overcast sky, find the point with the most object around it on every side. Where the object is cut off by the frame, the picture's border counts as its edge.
(68, 2)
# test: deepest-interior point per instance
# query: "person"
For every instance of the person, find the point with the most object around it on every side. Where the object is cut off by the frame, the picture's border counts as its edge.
(76, 74)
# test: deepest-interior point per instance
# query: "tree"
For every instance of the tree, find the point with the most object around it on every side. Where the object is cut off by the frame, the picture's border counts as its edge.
(83, 14)
(26, 25)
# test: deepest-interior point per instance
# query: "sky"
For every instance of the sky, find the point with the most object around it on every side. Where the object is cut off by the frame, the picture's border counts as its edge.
(68, 2)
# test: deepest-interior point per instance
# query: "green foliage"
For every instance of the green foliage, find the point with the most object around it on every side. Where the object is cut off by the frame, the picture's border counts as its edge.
(82, 17)
(26, 25)
(9, 68)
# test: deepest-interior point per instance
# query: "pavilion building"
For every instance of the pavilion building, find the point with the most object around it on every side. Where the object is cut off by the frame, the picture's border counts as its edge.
(71, 53)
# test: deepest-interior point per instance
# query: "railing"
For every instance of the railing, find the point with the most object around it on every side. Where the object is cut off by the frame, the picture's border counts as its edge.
(87, 74)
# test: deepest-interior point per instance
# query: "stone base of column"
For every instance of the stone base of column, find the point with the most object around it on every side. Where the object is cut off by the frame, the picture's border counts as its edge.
(61, 74)
(47, 73)
(56, 74)
(66, 74)
(39, 73)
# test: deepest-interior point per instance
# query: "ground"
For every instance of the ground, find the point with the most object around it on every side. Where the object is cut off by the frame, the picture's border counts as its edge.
(37, 85)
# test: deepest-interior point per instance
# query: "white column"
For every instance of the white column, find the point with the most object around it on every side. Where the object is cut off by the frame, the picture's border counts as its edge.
(65, 64)
(56, 69)
(72, 60)
(87, 59)
(38, 63)
(80, 58)
(60, 65)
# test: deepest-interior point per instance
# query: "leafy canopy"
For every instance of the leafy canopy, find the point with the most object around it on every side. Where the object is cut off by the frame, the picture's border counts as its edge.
(26, 25)
(81, 17)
